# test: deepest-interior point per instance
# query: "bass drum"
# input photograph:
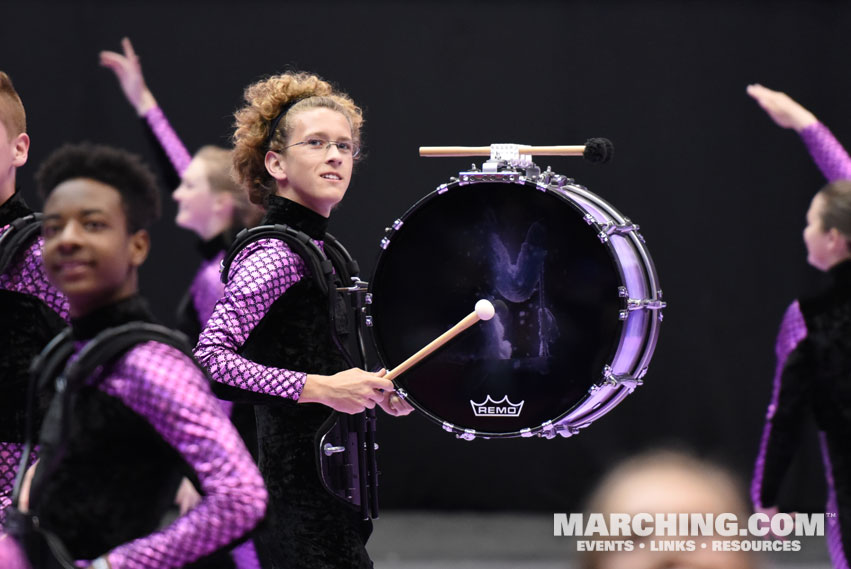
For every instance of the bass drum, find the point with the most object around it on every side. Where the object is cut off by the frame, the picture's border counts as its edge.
(578, 305)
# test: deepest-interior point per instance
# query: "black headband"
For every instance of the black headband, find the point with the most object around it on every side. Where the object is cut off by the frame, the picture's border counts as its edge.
(284, 110)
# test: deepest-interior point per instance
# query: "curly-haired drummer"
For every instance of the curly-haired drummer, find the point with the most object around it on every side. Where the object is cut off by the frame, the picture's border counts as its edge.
(814, 342)
(269, 340)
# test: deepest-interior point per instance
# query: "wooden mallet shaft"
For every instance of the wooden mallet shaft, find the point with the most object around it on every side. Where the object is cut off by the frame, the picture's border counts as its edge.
(484, 311)
(448, 151)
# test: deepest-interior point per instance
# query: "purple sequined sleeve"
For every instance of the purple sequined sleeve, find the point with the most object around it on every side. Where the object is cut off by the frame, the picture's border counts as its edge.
(793, 329)
(168, 139)
(27, 276)
(827, 153)
(260, 274)
(163, 386)
(207, 288)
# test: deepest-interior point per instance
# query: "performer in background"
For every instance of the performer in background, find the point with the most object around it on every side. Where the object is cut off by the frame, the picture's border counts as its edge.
(212, 205)
(210, 202)
(269, 341)
(813, 348)
(101, 482)
(32, 310)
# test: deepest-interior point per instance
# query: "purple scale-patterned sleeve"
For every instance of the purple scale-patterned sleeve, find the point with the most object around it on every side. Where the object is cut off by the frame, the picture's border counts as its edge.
(260, 274)
(10, 458)
(207, 288)
(163, 386)
(834, 533)
(827, 153)
(793, 329)
(168, 139)
(27, 276)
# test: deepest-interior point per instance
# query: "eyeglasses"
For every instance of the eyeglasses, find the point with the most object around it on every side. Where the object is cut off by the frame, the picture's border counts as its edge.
(346, 147)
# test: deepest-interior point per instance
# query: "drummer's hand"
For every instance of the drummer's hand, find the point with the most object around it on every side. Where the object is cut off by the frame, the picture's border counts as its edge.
(782, 109)
(395, 405)
(349, 391)
(128, 71)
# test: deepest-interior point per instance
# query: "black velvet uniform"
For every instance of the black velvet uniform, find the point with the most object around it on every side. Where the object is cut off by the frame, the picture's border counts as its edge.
(270, 329)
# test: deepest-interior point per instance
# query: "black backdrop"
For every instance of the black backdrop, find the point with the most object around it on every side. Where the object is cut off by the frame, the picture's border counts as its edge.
(719, 191)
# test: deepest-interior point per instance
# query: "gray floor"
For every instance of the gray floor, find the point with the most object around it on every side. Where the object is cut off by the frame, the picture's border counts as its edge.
(428, 540)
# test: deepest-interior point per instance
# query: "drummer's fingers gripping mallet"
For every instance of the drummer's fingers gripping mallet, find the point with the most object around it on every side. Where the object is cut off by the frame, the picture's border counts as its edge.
(484, 311)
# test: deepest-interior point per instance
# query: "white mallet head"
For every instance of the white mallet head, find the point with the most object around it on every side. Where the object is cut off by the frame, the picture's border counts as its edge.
(484, 309)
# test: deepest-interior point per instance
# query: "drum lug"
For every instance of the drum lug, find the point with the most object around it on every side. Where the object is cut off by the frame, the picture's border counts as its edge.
(560, 181)
(644, 304)
(612, 228)
(448, 427)
(367, 320)
(367, 299)
(548, 431)
(589, 219)
(526, 433)
(467, 435)
(566, 431)
(628, 381)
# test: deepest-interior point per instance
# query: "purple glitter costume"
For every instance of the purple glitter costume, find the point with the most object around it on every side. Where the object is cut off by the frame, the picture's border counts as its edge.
(813, 371)
(205, 290)
(33, 312)
(268, 331)
(149, 412)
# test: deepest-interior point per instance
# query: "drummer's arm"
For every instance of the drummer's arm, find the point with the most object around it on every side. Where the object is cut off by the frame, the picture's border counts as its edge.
(782, 430)
(260, 275)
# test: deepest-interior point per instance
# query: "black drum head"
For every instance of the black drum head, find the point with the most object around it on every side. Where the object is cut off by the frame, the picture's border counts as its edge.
(554, 286)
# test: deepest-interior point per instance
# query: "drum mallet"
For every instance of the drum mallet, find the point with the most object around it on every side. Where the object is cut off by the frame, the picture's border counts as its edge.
(484, 311)
(597, 150)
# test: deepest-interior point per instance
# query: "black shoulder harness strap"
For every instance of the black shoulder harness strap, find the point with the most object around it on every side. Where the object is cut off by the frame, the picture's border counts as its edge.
(50, 365)
(20, 233)
(320, 266)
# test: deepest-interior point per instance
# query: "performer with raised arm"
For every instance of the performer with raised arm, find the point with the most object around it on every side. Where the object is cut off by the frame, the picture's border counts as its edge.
(212, 205)
(33, 311)
(269, 339)
(114, 436)
(813, 372)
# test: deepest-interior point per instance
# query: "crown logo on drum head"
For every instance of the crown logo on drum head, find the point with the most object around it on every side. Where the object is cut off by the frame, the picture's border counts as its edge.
(501, 408)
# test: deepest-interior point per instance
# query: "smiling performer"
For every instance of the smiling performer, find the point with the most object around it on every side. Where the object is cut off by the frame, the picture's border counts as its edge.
(115, 435)
(269, 340)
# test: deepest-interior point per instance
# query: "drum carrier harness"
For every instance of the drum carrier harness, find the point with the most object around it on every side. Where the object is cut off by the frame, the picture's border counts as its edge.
(20, 234)
(43, 548)
(345, 444)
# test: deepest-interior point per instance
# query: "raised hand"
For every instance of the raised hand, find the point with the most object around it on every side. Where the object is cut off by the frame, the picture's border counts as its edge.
(349, 391)
(128, 71)
(783, 109)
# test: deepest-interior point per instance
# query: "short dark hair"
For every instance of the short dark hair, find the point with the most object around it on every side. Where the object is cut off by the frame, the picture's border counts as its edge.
(112, 166)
